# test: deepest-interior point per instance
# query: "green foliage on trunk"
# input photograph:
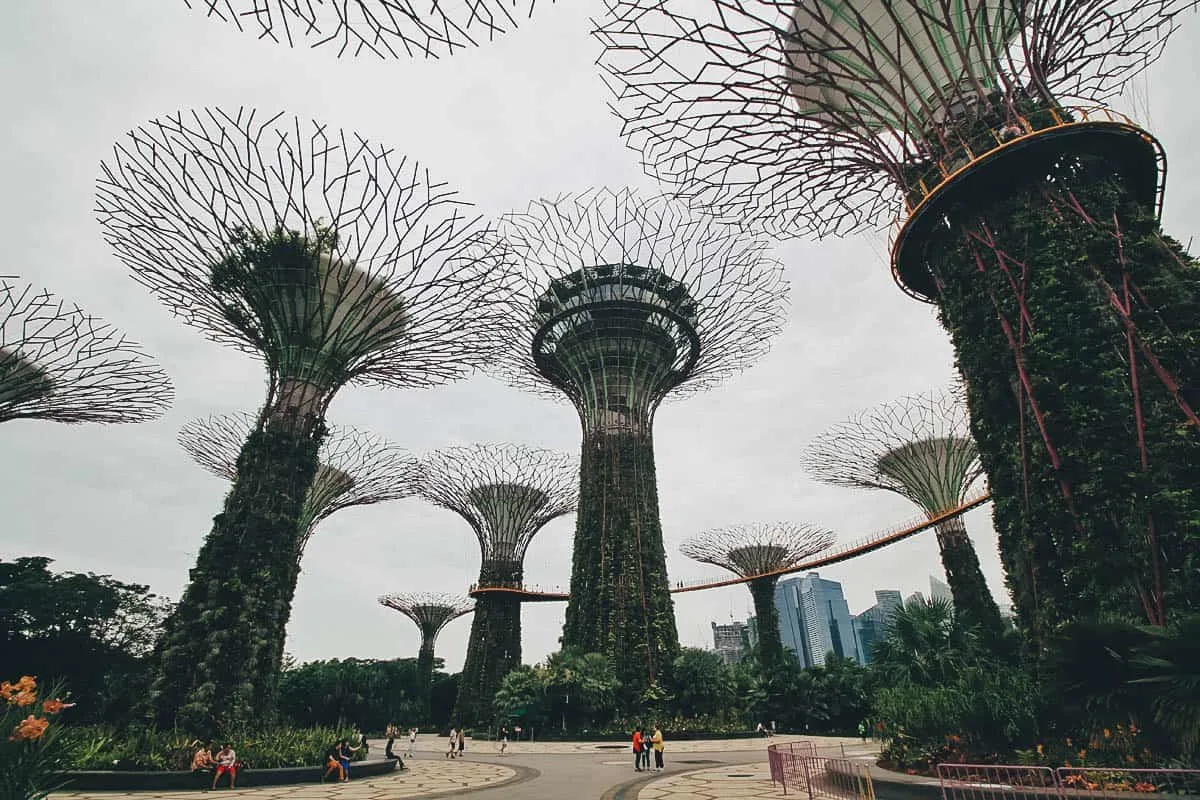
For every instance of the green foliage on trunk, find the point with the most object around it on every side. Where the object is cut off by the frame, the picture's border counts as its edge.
(972, 598)
(620, 601)
(1076, 540)
(494, 648)
(770, 644)
(221, 653)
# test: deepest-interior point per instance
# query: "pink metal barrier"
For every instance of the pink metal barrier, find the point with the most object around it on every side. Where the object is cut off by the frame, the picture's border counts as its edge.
(1005, 782)
(797, 765)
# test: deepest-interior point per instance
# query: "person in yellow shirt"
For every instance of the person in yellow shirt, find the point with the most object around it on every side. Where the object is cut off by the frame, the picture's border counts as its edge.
(657, 741)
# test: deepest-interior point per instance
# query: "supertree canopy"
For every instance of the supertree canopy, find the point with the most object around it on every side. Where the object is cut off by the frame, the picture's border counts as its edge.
(59, 363)
(920, 448)
(335, 261)
(1029, 216)
(382, 28)
(629, 300)
(356, 468)
(431, 612)
(760, 551)
(506, 493)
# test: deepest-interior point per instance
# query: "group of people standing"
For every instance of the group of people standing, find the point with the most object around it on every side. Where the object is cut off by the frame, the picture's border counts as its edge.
(643, 743)
(458, 742)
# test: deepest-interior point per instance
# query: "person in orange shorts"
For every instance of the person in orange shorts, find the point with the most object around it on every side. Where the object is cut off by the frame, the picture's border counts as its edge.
(226, 763)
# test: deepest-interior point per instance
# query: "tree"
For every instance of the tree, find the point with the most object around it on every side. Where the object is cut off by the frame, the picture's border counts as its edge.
(926, 644)
(522, 696)
(701, 683)
(581, 688)
(91, 631)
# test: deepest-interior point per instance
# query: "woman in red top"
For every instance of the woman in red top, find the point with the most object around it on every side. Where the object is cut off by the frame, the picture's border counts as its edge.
(637, 750)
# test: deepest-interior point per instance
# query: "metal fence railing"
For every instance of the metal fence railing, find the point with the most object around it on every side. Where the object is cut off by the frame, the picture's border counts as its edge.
(799, 766)
(1007, 782)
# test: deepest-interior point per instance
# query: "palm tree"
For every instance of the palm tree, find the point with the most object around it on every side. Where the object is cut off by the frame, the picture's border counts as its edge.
(925, 644)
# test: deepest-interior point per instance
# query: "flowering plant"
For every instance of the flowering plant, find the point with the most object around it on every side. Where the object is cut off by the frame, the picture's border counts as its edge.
(29, 756)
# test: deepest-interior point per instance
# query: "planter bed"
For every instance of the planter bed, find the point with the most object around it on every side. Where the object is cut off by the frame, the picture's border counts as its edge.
(101, 780)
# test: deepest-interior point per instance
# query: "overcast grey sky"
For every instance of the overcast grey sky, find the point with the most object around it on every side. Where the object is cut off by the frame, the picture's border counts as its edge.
(520, 118)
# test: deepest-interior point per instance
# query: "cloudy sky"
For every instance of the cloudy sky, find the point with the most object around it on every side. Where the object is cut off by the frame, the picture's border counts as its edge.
(521, 118)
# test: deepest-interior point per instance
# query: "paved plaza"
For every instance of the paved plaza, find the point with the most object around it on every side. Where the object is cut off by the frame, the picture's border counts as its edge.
(735, 768)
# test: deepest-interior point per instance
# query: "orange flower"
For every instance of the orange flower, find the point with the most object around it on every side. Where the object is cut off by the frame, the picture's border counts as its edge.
(29, 729)
(56, 706)
(1108, 733)
(25, 687)
(23, 699)
(1142, 786)
(1040, 751)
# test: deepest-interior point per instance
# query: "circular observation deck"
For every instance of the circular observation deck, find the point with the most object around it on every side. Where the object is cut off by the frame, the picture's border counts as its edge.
(1006, 159)
(616, 337)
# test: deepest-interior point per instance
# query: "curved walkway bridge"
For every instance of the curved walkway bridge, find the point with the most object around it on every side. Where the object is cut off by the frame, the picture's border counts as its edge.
(868, 544)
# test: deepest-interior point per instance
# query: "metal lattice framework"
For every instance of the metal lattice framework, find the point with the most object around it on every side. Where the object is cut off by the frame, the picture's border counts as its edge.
(334, 259)
(505, 492)
(383, 28)
(431, 611)
(630, 299)
(759, 548)
(59, 363)
(818, 118)
(920, 448)
(758, 552)
(357, 468)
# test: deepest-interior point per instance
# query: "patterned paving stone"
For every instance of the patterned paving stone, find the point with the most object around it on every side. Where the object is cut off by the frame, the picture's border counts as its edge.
(422, 778)
(716, 783)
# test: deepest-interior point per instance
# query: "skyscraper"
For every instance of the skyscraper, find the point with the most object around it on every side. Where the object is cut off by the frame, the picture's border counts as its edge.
(940, 590)
(731, 640)
(870, 625)
(814, 619)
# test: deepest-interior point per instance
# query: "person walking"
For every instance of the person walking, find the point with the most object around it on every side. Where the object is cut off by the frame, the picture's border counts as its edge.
(453, 743)
(462, 742)
(503, 740)
(637, 750)
(412, 741)
(657, 741)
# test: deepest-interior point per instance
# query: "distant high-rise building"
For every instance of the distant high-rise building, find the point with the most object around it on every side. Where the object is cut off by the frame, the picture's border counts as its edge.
(814, 619)
(731, 640)
(870, 625)
(915, 597)
(940, 590)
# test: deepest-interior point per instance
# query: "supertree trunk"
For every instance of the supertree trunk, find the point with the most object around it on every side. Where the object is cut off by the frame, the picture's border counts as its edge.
(494, 648)
(968, 587)
(1081, 380)
(227, 629)
(770, 643)
(620, 600)
(425, 680)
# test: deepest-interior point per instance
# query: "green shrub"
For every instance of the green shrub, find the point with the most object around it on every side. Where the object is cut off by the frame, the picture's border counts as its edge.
(101, 747)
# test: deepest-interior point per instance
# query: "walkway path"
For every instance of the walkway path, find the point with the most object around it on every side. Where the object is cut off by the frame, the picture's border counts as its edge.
(739, 781)
(541, 771)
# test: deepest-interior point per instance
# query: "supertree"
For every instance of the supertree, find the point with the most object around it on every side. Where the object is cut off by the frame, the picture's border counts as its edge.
(335, 261)
(1028, 218)
(919, 448)
(381, 28)
(431, 611)
(759, 552)
(356, 468)
(59, 363)
(506, 493)
(629, 300)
